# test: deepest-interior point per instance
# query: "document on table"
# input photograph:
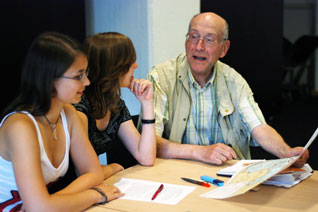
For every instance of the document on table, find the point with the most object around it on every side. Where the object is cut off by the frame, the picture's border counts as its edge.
(143, 190)
(286, 178)
(253, 175)
(249, 177)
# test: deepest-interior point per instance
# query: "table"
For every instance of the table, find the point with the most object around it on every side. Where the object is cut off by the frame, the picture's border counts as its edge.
(301, 197)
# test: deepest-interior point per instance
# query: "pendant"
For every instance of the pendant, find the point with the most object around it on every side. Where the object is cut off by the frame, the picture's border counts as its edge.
(54, 134)
(53, 126)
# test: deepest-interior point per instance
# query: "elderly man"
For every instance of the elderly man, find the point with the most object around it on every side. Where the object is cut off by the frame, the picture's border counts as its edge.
(204, 109)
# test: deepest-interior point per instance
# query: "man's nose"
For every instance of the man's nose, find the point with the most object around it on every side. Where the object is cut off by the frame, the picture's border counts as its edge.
(200, 44)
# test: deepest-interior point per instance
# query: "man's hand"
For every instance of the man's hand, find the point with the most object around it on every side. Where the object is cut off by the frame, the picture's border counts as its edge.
(216, 154)
(295, 152)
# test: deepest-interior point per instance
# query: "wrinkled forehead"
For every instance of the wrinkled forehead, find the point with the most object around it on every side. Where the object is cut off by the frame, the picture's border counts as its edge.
(208, 23)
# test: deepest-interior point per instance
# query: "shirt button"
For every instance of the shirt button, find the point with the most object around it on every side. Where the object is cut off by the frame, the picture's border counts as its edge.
(184, 119)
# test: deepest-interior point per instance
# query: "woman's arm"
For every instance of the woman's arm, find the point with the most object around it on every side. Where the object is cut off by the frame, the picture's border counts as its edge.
(108, 170)
(111, 169)
(24, 152)
(83, 155)
(142, 146)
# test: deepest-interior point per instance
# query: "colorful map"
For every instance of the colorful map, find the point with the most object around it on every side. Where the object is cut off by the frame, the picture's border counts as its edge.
(250, 177)
(254, 174)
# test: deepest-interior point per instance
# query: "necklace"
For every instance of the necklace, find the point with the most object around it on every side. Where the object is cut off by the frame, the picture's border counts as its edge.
(53, 126)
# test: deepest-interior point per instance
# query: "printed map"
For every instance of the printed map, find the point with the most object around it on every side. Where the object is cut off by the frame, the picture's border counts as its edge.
(250, 177)
(254, 174)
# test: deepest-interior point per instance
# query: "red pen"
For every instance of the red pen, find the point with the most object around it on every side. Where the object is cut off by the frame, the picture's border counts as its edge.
(157, 192)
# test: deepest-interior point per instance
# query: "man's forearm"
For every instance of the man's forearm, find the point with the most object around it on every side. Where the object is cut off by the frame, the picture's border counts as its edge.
(214, 154)
(270, 140)
(171, 149)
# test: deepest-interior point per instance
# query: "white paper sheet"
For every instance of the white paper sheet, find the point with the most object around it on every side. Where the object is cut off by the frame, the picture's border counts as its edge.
(143, 190)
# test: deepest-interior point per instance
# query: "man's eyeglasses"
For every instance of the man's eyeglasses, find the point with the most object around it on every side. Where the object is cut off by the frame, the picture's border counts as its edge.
(80, 77)
(208, 41)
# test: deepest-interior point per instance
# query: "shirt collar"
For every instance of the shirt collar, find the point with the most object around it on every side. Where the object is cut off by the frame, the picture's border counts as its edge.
(194, 83)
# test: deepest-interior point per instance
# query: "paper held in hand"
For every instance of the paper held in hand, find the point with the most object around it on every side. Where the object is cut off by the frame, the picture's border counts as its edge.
(254, 174)
(286, 178)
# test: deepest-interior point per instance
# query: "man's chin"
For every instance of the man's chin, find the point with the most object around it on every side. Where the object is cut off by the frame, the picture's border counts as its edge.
(198, 69)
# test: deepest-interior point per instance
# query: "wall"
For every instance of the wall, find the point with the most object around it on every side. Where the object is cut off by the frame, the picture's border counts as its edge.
(157, 30)
(300, 19)
(169, 27)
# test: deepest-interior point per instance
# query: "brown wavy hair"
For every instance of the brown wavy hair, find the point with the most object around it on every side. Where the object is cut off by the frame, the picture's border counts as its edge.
(110, 56)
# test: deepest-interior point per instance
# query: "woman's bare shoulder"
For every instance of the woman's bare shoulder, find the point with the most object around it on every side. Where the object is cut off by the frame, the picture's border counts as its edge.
(16, 131)
(17, 121)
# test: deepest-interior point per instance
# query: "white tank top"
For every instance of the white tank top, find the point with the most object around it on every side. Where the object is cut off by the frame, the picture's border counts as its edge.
(50, 173)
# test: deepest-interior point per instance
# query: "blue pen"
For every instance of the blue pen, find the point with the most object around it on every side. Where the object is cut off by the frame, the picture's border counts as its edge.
(212, 180)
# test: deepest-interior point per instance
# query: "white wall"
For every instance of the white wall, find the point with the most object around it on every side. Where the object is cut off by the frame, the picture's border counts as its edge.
(156, 27)
(170, 20)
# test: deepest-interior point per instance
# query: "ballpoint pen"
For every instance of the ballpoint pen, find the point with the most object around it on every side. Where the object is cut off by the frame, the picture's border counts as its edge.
(196, 182)
(212, 180)
(157, 192)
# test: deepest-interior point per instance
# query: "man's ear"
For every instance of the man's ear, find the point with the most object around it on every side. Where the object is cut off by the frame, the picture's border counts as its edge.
(225, 48)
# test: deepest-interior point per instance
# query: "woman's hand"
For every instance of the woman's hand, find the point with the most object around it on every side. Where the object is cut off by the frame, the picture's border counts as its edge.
(111, 169)
(112, 192)
(142, 89)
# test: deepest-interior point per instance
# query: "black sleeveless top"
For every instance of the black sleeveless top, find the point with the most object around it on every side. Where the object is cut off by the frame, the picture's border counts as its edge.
(103, 141)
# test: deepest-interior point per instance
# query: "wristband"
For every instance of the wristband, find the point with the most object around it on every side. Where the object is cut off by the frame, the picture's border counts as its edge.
(148, 121)
(103, 194)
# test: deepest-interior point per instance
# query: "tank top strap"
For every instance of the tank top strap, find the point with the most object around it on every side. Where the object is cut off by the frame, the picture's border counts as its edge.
(31, 117)
(65, 127)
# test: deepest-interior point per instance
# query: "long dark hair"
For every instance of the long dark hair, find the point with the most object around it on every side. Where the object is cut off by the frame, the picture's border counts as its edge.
(110, 56)
(48, 57)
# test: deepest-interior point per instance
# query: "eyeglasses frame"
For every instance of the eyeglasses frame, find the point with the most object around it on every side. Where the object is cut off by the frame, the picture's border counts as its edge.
(188, 38)
(83, 75)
